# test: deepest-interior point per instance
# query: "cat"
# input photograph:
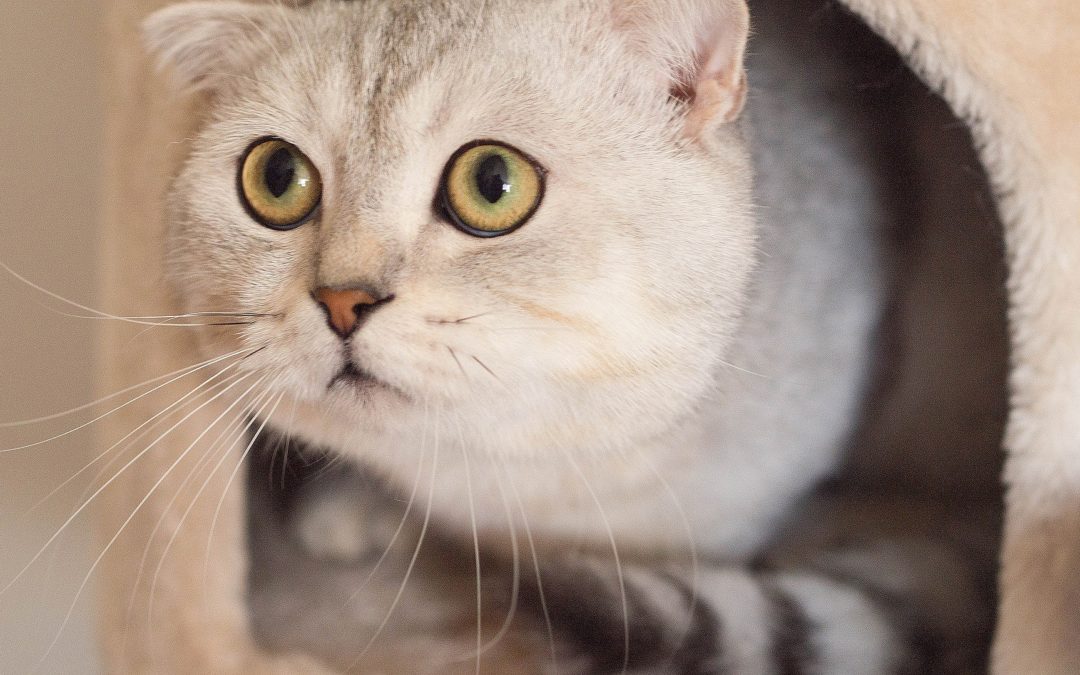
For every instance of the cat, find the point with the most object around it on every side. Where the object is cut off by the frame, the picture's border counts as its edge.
(508, 254)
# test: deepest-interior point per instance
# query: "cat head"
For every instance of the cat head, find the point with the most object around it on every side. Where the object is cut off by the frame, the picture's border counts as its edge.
(530, 221)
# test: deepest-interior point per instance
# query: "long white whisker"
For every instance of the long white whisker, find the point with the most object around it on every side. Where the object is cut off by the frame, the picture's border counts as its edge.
(728, 364)
(511, 613)
(161, 561)
(232, 427)
(404, 518)
(615, 553)
(476, 554)
(166, 322)
(695, 563)
(288, 442)
(72, 303)
(116, 409)
(150, 424)
(48, 418)
(116, 536)
(416, 552)
(235, 472)
(504, 629)
(536, 570)
(109, 482)
(177, 317)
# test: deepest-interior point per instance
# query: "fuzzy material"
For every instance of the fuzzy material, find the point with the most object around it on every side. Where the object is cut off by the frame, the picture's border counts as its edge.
(1007, 67)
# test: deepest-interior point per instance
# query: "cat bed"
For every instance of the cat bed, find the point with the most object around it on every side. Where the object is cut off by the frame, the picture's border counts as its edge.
(1008, 69)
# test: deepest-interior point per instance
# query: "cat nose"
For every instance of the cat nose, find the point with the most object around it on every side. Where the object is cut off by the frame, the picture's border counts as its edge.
(347, 308)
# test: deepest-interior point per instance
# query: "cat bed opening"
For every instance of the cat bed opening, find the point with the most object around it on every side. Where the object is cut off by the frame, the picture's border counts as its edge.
(945, 365)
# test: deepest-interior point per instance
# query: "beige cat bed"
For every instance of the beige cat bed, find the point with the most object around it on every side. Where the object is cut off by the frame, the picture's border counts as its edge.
(1009, 68)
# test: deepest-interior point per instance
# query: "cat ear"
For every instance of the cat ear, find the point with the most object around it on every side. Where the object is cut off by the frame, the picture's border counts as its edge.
(700, 46)
(204, 42)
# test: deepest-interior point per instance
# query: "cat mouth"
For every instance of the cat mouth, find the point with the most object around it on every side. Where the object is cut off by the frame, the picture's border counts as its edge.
(353, 376)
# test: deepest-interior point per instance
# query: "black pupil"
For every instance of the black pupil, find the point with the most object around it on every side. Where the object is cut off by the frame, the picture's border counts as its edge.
(493, 178)
(280, 172)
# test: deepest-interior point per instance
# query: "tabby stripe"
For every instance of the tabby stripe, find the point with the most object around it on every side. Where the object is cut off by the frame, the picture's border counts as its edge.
(792, 651)
(671, 630)
(924, 648)
(586, 607)
(736, 596)
(699, 653)
(850, 633)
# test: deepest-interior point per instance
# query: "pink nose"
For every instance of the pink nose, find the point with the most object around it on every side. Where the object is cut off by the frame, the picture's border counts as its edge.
(345, 308)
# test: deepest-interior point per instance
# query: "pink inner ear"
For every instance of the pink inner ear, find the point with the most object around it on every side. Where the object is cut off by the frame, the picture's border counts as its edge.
(715, 89)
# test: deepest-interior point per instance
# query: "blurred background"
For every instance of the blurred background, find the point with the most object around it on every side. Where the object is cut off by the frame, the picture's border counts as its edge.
(50, 171)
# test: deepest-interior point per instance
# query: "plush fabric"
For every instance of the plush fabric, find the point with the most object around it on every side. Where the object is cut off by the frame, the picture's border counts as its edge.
(1009, 68)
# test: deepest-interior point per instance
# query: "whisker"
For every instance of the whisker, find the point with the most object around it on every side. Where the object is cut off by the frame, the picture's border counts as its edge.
(288, 443)
(218, 315)
(164, 322)
(489, 370)
(695, 563)
(453, 322)
(48, 418)
(457, 361)
(476, 553)
(727, 364)
(416, 552)
(98, 314)
(515, 590)
(615, 553)
(116, 409)
(536, 569)
(95, 313)
(153, 422)
(232, 427)
(237, 423)
(404, 518)
(236, 471)
(116, 536)
(42, 289)
(109, 482)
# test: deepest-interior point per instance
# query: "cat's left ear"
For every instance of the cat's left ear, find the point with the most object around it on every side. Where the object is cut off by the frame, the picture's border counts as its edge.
(203, 43)
(699, 47)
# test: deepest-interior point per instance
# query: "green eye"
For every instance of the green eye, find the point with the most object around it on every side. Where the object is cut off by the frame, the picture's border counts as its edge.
(490, 189)
(279, 185)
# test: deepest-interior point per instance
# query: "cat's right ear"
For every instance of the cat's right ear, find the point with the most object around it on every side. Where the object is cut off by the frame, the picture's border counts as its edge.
(696, 49)
(202, 43)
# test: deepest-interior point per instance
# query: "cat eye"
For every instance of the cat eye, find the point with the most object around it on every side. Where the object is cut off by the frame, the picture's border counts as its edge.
(279, 185)
(490, 189)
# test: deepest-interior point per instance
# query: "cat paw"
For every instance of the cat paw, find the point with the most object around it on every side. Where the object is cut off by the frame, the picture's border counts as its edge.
(331, 528)
(344, 520)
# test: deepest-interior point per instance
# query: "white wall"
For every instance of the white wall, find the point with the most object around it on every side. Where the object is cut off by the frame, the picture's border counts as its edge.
(50, 156)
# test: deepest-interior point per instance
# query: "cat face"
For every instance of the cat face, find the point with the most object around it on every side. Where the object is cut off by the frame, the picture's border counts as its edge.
(502, 217)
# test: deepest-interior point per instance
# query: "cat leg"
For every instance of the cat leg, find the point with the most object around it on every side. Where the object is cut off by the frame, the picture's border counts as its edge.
(867, 602)
(721, 620)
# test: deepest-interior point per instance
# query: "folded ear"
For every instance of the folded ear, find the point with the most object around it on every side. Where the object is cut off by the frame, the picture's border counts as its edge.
(700, 47)
(205, 42)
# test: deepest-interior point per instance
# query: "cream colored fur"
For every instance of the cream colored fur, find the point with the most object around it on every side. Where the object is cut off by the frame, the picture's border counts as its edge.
(1010, 70)
(1019, 103)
